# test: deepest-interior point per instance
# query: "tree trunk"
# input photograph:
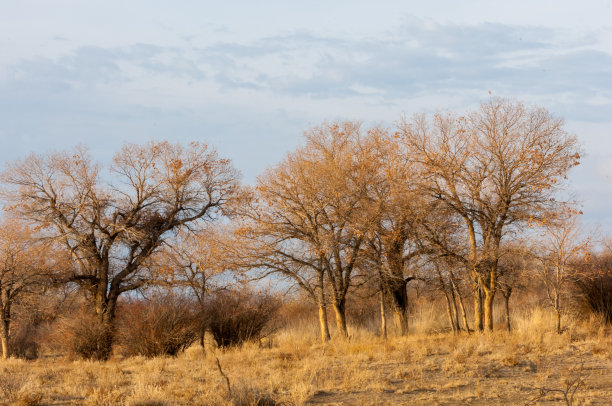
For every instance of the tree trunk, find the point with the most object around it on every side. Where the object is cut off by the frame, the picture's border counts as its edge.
(454, 308)
(5, 322)
(339, 309)
(399, 299)
(201, 338)
(461, 306)
(400, 319)
(478, 314)
(105, 311)
(325, 336)
(507, 294)
(449, 312)
(396, 283)
(383, 316)
(323, 323)
(4, 336)
(463, 313)
(488, 309)
(558, 310)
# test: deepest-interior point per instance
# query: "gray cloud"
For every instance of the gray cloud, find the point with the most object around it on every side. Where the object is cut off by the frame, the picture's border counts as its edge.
(421, 57)
(92, 65)
(418, 58)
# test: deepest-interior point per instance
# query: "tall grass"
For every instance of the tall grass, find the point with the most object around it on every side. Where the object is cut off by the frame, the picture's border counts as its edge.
(292, 367)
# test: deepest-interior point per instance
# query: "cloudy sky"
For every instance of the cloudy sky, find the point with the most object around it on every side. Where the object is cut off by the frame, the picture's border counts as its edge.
(250, 76)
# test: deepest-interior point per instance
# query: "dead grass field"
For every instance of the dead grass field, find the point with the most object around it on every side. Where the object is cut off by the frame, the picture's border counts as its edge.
(293, 368)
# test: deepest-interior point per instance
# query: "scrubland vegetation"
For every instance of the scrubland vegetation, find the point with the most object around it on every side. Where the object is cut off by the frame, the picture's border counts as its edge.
(431, 365)
(164, 280)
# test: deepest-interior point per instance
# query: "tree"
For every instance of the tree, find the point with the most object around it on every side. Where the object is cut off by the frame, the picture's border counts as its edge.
(308, 215)
(514, 262)
(495, 169)
(397, 212)
(112, 226)
(195, 261)
(23, 271)
(563, 242)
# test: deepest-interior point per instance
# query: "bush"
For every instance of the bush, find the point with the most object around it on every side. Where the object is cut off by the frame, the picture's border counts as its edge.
(22, 343)
(87, 336)
(165, 325)
(236, 317)
(595, 289)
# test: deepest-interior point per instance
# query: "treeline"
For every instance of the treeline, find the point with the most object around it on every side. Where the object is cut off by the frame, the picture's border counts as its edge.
(462, 203)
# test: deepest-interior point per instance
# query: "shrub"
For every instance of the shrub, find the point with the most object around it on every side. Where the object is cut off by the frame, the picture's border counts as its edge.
(165, 325)
(22, 343)
(595, 289)
(86, 336)
(236, 317)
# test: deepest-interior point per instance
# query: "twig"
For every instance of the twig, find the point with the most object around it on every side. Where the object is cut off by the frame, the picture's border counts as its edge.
(227, 381)
(571, 386)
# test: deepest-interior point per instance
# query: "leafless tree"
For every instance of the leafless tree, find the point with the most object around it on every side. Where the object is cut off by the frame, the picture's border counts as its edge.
(307, 218)
(111, 226)
(563, 242)
(495, 169)
(514, 264)
(24, 271)
(397, 211)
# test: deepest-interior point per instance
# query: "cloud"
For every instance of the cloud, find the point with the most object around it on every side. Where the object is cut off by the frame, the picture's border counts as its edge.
(92, 65)
(420, 58)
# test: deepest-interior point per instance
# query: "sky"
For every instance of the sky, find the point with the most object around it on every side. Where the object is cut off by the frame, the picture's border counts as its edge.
(248, 77)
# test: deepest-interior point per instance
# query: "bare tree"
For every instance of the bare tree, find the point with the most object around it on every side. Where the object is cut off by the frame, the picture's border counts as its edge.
(306, 222)
(23, 272)
(397, 212)
(514, 262)
(562, 243)
(494, 169)
(111, 226)
(195, 262)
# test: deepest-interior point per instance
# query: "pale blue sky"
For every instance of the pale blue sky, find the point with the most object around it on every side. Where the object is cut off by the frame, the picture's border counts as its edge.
(250, 76)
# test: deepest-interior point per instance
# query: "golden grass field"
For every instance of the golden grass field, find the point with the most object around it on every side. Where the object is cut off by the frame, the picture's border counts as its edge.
(293, 368)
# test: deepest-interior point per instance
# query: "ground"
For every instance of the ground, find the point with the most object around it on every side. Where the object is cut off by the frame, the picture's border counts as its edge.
(531, 365)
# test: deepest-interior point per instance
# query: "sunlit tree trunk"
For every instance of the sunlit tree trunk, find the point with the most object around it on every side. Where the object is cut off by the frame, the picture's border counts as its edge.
(340, 310)
(323, 323)
(325, 336)
(383, 315)
(5, 322)
(4, 335)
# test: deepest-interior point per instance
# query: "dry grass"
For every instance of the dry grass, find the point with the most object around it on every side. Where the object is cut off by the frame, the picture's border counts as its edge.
(293, 368)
